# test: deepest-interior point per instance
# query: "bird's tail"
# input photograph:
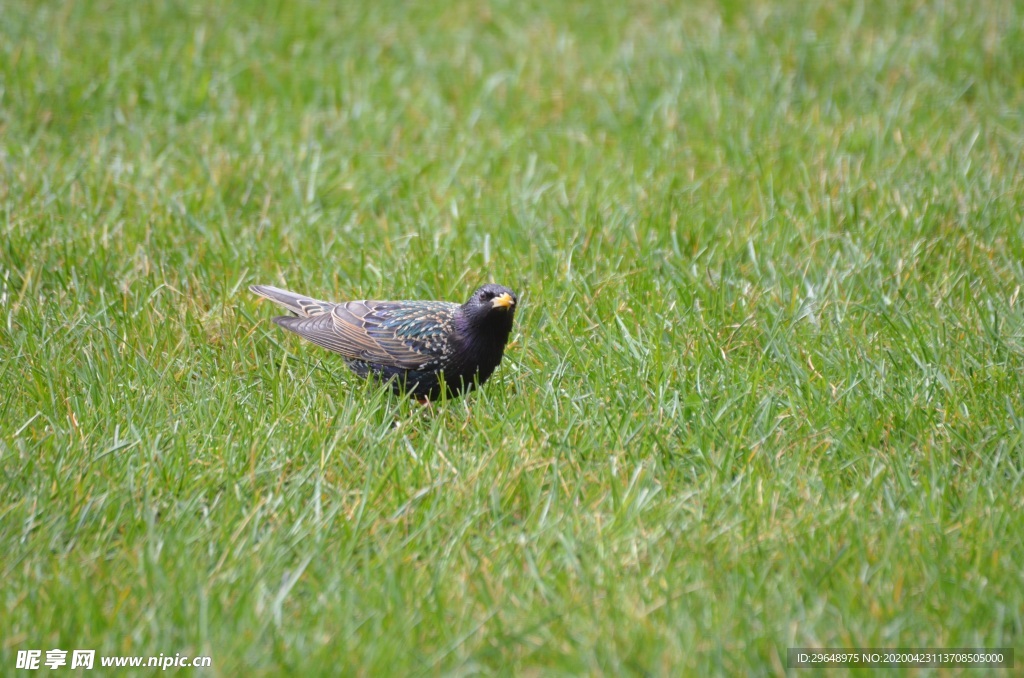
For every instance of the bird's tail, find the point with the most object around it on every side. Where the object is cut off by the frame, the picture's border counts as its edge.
(296, 303)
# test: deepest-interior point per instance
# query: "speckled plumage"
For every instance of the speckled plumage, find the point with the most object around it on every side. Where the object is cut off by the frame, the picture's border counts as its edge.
(420, 347)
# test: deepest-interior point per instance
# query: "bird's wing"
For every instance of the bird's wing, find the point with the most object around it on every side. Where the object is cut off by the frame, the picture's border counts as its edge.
(299, 304)
(411, 335)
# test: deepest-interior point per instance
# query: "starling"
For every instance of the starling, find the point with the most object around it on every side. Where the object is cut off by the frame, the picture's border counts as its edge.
(419, 347)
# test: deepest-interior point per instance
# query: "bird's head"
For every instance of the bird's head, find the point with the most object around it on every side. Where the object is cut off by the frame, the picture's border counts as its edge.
(491, 308)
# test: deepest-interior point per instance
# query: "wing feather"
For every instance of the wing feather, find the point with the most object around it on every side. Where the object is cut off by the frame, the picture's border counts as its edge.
(296, 303)
(406, 335)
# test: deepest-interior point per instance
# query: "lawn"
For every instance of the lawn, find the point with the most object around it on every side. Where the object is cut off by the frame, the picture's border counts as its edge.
(763, 391)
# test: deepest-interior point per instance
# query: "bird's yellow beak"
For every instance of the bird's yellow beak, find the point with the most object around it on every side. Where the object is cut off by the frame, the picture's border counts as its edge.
(504, 301)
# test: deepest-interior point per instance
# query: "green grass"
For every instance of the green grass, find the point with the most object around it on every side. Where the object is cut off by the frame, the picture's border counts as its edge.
(764, 388)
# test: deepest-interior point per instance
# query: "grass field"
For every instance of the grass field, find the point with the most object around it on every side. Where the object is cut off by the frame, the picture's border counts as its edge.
(764, 388)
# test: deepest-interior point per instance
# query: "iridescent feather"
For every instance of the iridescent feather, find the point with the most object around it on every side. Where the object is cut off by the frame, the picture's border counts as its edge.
(420, 346)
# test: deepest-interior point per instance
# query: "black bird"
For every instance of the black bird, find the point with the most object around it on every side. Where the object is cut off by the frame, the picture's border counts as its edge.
(420, 347)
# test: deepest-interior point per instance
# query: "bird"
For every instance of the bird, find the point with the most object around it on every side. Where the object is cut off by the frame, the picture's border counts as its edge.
(421, 348)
